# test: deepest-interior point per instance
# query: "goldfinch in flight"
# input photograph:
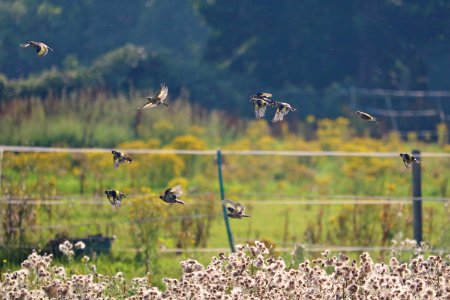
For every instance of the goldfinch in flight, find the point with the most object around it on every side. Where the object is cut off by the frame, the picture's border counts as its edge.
(408, 159)
(366, 117)
(119, 157)
(171, 195)
(234, 209)
(41, 48)
(158, 99)
(115, 197)
(260, 102)
(283, 109)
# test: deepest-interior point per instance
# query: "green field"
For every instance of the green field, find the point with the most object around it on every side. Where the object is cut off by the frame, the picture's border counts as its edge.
(66, 190)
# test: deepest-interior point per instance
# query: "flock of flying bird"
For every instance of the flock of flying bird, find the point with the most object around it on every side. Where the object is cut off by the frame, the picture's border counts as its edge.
(260, 101)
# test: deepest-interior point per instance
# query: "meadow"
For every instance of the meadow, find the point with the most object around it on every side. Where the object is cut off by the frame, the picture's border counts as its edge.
(60, 194)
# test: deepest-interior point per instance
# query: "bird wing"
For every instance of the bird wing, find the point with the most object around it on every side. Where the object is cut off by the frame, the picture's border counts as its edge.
(260, 112)
(168, 191)
(42, 50)
(239, 208)
(406, 163)
(177, 190)
(260, 107)
(163, 92)
(149, 104)
(116, 163)
(364, 115)
(265, 95)
(111, 198)
(278, 116)
(230, 205)
(284, 108)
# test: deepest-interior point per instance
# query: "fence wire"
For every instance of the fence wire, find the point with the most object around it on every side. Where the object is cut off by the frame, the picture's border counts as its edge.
(214, 152)
(280, 199)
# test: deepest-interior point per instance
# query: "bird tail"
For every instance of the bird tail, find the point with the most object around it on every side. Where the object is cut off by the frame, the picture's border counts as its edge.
(166, 104)
(128, 159)
(179, 201)
(246, 216)
(25, 45)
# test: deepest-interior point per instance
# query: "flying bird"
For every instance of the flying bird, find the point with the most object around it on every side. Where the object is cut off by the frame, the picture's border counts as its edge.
(260, 102)
(41, 48)
(260, 107)
(119, 157)
(408, 159)
(234, 209)
(158, 99)
(366, 117)
(283, 109)
(115, 197)
(171, 195)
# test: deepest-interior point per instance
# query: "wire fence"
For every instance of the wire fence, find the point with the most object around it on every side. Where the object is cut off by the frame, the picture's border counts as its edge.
(19, 149)
(253, 199)
(429, 108)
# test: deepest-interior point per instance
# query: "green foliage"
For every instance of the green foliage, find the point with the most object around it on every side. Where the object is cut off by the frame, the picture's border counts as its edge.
(369, 44)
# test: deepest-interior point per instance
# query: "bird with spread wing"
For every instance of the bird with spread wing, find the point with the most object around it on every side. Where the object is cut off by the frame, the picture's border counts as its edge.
(171, 195)
(408, 159)
(119, 158)
(234, 209)
(157, 100)
(41, 48)
(366, 117)
(283, 109)
(115, 197)
(261, 101)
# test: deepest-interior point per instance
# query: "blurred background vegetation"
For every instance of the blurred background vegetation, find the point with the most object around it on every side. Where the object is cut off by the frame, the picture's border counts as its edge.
(219, 52)
(213, 54)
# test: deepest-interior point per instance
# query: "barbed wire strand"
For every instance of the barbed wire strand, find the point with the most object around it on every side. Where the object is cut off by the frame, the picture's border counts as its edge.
(320, 201)
(213, 152)
(401, 93)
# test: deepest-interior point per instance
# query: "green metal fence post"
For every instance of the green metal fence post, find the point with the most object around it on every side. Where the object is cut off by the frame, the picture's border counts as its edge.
(417, 198)
(222, 197)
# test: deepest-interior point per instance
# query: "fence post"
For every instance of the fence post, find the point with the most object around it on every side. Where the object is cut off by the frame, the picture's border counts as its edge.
(417, 198)
(222, 197)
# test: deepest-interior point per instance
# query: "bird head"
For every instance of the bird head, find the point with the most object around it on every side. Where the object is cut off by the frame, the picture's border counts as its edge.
(113, 151)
